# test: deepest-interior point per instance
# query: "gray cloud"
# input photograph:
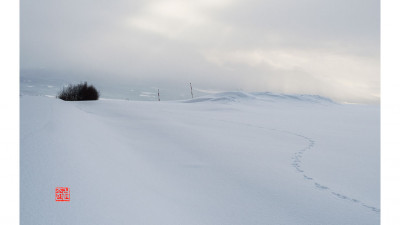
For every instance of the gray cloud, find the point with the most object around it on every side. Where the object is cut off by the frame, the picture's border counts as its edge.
(321, 47)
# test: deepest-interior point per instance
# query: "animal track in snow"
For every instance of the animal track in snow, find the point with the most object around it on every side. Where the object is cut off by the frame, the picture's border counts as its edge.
(321, 187)
(296, 163)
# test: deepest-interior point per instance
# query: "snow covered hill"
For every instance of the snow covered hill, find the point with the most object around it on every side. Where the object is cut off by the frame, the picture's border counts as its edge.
(228, 158)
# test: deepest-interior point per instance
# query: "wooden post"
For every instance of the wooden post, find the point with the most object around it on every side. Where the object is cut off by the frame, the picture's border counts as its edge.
(191, 89)
(158, 94)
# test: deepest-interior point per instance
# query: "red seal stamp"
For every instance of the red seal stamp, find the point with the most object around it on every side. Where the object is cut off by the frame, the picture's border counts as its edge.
(62, 194)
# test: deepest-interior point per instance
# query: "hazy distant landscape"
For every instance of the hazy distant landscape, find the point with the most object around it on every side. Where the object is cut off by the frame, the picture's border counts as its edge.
(144, 91)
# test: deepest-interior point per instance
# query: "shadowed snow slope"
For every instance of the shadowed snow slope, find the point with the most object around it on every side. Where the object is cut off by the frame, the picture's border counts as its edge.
(266, 159)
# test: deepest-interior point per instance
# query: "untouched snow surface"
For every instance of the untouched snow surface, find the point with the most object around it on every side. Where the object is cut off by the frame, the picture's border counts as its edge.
(229, 158)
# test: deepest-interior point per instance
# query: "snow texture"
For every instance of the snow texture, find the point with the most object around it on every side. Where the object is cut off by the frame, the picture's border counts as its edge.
(227, 158)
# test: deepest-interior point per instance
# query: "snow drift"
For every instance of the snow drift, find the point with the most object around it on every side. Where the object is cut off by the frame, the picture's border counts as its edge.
(229, 158)
(261, 96)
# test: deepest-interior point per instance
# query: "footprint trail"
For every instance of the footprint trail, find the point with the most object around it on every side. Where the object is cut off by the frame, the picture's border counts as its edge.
(296, 163)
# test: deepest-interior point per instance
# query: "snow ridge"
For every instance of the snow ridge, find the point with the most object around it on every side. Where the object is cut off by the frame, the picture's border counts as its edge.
(239, 96)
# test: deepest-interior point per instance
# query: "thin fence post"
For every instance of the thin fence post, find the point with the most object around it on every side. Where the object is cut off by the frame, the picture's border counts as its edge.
(191, 89)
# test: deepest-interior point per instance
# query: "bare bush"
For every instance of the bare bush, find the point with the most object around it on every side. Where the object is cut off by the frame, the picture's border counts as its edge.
(79, 92)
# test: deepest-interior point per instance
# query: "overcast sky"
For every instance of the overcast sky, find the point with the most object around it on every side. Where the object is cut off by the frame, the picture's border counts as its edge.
(325, 47)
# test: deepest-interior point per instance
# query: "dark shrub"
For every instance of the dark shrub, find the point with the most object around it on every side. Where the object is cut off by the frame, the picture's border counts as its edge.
(79, 92)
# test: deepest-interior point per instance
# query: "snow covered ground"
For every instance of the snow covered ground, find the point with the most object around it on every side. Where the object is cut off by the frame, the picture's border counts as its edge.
(228, 158)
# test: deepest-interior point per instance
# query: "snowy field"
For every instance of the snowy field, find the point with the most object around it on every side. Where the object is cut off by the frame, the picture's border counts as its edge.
(223, 159)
